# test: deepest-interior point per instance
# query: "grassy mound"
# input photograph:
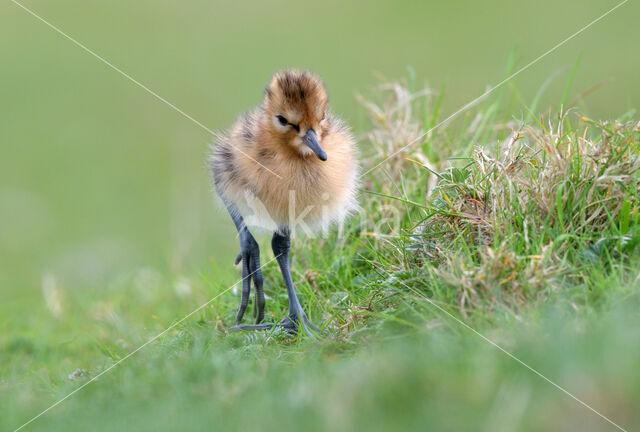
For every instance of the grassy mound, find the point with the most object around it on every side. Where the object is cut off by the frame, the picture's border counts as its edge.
(544, 207)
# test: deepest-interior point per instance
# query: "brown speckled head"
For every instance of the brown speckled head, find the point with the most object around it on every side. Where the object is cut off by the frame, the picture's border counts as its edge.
(295, 103)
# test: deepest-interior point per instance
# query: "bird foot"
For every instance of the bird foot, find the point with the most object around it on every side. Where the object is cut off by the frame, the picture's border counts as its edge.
(240, 327)
(292, 326)
(289, 325)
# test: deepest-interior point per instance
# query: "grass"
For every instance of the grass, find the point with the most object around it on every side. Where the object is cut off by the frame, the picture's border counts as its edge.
(526, 229)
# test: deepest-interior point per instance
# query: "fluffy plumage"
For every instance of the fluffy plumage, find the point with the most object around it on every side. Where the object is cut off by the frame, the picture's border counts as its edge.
(288, 166)
(307, 192)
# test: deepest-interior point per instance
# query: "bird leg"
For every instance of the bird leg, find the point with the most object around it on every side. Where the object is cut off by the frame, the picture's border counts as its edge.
(281, 244)
(250, 257)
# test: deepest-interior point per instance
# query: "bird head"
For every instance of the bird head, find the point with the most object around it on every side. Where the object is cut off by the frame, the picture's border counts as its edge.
(295, 108)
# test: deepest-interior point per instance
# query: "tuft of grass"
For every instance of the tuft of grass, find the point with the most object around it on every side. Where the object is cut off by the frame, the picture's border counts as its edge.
(515, 220)
(530, 209)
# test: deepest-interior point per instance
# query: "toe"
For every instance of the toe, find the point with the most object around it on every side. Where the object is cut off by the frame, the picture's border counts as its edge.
(249, 327)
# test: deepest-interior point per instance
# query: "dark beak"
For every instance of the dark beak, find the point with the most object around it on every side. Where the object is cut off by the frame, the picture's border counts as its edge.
(311, 140)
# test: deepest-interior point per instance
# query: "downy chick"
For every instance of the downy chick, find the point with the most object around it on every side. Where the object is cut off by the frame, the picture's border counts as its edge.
(287, 166)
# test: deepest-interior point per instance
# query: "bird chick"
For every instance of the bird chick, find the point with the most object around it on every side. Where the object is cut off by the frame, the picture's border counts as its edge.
(289, 166)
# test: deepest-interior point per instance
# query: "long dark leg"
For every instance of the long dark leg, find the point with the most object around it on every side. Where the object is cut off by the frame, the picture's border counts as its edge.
(250, 257)
(281, 244)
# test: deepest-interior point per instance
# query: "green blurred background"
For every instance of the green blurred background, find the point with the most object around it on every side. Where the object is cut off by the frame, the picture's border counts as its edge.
(98, 178)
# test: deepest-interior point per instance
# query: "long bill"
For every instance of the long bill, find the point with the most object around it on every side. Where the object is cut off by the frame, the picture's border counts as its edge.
(311, 140)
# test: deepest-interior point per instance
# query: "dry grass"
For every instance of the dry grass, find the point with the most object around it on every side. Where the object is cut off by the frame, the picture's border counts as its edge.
(511, 222)
(527, 210)
(543, 179)
(396, 131)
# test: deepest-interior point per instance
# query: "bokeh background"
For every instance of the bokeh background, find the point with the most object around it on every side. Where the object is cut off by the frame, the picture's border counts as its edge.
(98, 178)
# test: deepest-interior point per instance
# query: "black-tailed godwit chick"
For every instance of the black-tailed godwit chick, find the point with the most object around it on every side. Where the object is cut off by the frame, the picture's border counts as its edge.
(289, 166)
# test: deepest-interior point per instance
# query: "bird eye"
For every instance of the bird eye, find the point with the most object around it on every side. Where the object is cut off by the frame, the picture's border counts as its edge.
(283, 121)
(324, 115)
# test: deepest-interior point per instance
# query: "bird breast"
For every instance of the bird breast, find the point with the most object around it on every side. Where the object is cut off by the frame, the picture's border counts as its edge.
(306, 195)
